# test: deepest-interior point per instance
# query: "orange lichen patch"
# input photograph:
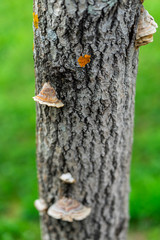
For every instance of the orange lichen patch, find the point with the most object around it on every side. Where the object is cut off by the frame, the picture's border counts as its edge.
(35, 20)
(33, 47)
(84, 60)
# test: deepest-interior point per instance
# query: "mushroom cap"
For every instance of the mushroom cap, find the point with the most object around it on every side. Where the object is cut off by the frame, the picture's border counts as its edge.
(146, 25)
(67, 178)
(47, 96)
(143, 41)
(40, 205)
(68, 210)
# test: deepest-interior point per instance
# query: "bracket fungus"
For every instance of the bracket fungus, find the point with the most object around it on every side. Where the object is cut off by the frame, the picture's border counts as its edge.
(40, 205)
(47, 96)
(68, 210)
(67, 178)
(84, 60)
(146, 28)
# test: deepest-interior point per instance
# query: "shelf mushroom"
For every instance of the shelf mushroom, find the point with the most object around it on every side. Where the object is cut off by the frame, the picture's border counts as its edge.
(67, 178)
(68, 209)
(146, 28)
(47, 96)
(40, 205)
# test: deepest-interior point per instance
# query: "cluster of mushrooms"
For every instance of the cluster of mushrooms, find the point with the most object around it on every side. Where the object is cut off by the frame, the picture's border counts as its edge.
(68, 209)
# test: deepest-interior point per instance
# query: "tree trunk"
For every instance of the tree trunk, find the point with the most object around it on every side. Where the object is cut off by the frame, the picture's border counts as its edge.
(91, 136)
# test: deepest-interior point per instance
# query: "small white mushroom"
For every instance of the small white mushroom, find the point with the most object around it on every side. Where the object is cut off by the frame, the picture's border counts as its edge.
(67, 178)
(40, 205)
(146, 28)
(47, 96)
(68, 210)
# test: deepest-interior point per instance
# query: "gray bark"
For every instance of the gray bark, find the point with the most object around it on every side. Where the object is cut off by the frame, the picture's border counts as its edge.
(91, 136)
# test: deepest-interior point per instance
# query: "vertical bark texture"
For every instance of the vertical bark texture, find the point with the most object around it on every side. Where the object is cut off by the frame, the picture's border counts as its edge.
(91, 136)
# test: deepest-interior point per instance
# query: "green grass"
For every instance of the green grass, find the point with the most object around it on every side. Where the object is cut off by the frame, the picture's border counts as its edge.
(18, 185)
(144, 233)
(145, 168)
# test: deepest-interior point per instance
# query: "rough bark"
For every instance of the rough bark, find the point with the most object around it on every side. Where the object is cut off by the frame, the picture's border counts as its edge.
(91, 136)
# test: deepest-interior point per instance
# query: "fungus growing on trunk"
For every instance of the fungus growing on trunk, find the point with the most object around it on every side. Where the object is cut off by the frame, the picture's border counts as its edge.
(47, 96)
(68, 210)
(40, 205)
(67, 178)
(146, 28)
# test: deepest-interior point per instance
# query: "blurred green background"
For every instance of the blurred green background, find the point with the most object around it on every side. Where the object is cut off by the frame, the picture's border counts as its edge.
(18, 185)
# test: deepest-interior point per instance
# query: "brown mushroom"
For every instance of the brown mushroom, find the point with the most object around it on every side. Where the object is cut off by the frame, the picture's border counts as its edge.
(47, 96)
(40, 205)
(67, 178)
(68, 210)
(146, 28)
